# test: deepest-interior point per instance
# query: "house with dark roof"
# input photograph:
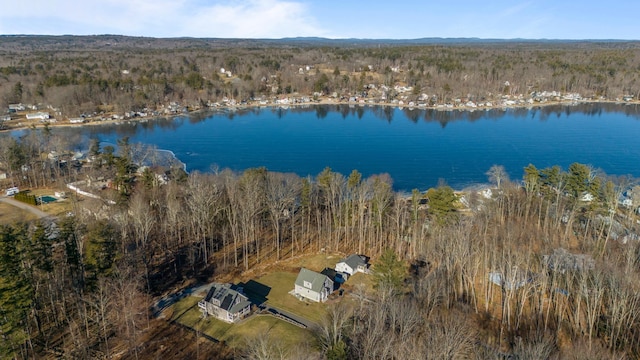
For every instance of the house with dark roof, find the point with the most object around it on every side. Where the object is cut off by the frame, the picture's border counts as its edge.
(353, 264)
(225, 302)
(312, 285)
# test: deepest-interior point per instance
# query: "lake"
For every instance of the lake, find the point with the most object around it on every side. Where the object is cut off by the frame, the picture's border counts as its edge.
(416, 147)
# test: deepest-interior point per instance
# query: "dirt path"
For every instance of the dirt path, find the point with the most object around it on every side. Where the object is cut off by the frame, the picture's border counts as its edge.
(35, 211)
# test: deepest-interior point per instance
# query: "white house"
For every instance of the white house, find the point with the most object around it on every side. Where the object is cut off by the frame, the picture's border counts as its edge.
(353, 264)
(38, 116)
(312, 285)
(16, 107)
(225, 303)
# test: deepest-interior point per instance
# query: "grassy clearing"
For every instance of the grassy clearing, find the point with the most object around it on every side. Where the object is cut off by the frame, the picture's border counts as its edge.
(360, 280)
(272, 288)
(56, 208)
(186, 312)
(281, 283)
(180, 311)
(10, 214)
(237, 335)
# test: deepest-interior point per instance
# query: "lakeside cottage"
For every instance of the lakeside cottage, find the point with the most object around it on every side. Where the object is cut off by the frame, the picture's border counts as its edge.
(313, 286)
(38, 115)
(226, 303)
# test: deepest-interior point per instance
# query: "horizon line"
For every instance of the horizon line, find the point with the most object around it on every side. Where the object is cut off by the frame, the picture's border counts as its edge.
(329, 38)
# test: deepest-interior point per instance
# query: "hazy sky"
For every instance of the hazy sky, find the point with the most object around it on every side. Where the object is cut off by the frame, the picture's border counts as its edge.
(400, 19)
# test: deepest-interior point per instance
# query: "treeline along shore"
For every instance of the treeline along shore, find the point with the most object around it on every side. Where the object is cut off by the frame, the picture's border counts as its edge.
(75, 80)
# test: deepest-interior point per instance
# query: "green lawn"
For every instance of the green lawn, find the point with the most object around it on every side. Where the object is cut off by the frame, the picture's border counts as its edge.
(273, 289)
(281, 283)
(10, 215)
(186, 312)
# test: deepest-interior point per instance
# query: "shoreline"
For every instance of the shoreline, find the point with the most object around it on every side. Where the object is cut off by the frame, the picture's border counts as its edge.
(22, 125)
(202, 114)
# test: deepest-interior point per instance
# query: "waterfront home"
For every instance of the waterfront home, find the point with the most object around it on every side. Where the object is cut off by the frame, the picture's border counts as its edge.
(38, 116)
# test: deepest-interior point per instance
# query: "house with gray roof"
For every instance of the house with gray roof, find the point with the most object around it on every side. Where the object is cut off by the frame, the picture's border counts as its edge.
(353, 264)
(225, 302)
(312, 285)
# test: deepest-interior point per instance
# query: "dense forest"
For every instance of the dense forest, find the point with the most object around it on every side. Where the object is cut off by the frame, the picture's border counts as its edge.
(546, 266)
(84, 285)
(87, 75)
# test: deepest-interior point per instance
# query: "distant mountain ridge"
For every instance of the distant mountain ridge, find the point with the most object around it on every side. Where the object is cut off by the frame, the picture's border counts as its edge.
(106, 41)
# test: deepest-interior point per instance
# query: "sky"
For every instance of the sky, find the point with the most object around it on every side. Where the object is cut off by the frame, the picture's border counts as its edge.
(371, 19)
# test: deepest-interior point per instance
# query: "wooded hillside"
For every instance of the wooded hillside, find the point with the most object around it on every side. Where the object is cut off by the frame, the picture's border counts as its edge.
(87, 75)
(541, 269)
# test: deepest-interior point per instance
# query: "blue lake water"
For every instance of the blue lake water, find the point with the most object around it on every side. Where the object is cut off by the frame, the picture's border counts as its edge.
(416, 147)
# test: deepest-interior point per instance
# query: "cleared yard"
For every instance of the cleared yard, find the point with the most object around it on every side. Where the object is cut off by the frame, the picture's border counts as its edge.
(56, 208)
(359, 280)
(281, 283)
(10, 214)
(272, 289)
(186, 312)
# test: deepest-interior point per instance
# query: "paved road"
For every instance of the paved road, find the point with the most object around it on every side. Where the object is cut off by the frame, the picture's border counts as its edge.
(34, 210)
(299, 319)
(171, 299)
